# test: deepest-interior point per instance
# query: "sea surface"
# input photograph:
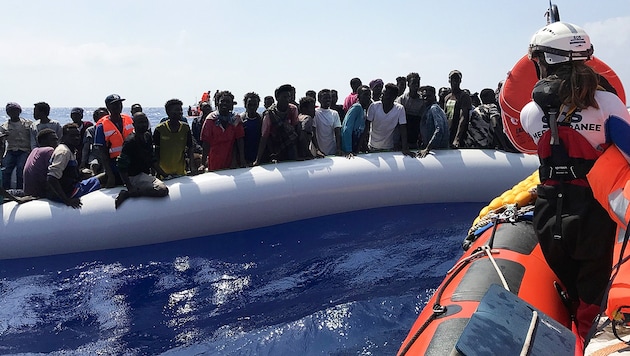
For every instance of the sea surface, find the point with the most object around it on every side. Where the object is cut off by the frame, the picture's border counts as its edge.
(155, 114)
(344, 284)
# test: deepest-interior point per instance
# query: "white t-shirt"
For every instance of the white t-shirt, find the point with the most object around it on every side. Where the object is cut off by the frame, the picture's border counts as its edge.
(383, 124)
(589, 122)
(325, 122)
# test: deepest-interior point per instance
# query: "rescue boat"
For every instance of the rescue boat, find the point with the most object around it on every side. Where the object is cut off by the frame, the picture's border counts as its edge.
(470, 312)
(501, 297)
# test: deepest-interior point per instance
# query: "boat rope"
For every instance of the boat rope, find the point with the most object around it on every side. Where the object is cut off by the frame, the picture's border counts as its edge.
(488, 251)
(507, 213)
(530, 334)
(439, 309)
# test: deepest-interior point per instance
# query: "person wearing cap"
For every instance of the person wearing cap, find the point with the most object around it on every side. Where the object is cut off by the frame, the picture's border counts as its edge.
(376, 86)
(109, 135)
(16, 132)
(457, 106)
(42, 121)
(280, 128)
(76, 115)
(572, 123)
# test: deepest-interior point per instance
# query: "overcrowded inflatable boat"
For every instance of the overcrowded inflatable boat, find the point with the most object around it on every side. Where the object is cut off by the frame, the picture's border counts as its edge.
(249, 198)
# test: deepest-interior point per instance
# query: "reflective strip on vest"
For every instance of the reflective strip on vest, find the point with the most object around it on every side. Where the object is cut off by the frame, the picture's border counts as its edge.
(619, 204)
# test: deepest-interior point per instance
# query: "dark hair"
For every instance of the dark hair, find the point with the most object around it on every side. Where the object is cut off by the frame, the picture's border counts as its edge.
(305, 102)
(99, 113)
(251, 95)
(430, 92)
(139, 114)
(43, 107)
(269, 97)
(400, 79)
(413, 75)
(355, 83)
(487, 96)
(41, 136)
(392, 87)
(283, 88)
(364, 87)
(67, 127)
(223, 93)
(172, 102)
(322, 92)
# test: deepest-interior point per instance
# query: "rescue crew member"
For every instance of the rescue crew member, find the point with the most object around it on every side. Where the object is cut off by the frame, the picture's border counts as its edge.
(569, 120)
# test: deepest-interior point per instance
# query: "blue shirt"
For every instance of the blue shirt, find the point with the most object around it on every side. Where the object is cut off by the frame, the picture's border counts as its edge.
(434, 128)
(353, 126)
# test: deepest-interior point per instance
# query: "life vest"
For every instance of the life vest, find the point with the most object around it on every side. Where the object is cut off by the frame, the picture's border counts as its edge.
(113, 137)
(610, 181)
(565, 163)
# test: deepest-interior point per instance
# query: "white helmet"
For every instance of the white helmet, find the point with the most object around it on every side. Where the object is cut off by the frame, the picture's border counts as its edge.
(561, 42)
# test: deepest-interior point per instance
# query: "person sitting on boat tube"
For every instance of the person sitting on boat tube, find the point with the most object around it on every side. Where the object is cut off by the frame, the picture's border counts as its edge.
(64, 178)
(135, 163)
(570, 121)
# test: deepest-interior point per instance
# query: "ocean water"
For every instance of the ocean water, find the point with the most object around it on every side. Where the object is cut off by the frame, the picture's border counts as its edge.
(155, 114)
(345, 284)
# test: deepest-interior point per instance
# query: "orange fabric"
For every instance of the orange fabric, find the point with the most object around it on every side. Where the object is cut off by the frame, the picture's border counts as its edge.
(113, 137)
(517, 91)
(610, 175)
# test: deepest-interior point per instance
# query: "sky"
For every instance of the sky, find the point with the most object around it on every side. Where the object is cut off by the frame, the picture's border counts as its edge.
(75, 53)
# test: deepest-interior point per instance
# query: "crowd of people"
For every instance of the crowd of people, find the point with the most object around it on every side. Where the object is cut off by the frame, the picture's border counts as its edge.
(63, 163)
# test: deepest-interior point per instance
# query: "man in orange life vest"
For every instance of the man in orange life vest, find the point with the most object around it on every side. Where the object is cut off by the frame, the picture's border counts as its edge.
(111, 131)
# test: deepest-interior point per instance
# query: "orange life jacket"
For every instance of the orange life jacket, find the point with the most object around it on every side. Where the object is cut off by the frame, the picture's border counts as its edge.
(113, 137)
(610, 181)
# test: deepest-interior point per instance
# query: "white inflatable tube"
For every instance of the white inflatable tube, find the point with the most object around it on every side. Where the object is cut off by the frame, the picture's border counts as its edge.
(242, 199)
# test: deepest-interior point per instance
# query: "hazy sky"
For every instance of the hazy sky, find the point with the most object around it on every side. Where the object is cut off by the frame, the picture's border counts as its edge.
(75, 53)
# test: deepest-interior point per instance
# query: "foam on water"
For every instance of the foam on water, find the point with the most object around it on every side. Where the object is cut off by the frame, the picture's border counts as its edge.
(349, 283)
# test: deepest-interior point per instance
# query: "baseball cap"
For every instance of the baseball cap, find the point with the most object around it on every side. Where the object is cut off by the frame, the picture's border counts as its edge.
(455, 72)
(113, 98)
(76, 111)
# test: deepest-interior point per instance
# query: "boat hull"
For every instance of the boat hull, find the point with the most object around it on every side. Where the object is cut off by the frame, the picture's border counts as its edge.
(250, 198)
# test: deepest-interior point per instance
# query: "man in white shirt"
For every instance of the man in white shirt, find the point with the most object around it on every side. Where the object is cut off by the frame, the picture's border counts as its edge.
(382, 118)
(326, 126)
